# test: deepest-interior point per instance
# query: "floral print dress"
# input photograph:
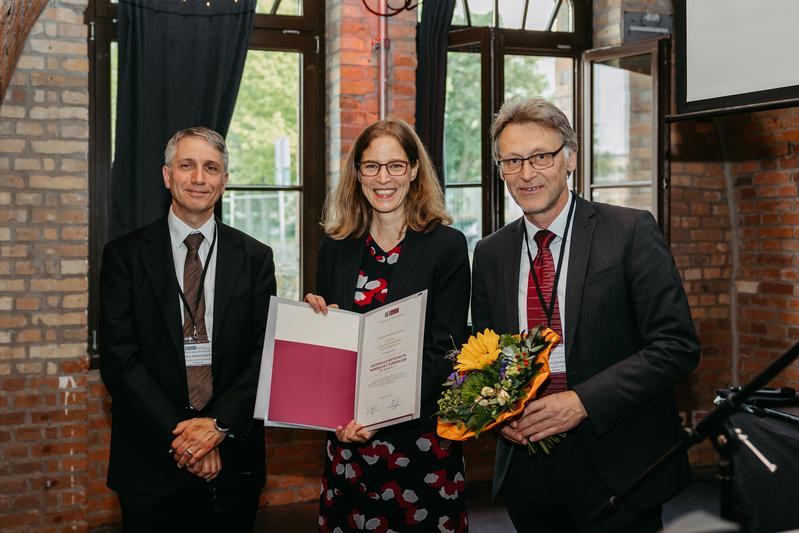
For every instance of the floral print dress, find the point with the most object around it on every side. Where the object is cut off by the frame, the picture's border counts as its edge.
(399, 481)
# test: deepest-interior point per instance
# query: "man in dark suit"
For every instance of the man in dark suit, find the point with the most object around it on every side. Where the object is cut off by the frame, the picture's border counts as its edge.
(604, 279)
(184, 304)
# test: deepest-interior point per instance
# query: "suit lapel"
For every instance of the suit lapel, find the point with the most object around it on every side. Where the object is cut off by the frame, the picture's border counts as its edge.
(157, 258)
(413, 247)
(347, 269)
(229, 262)
(511, 282)
(579, 252)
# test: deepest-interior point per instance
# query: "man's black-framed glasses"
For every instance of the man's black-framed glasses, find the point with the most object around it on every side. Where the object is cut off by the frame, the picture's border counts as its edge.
(513, 165)
(370, 169)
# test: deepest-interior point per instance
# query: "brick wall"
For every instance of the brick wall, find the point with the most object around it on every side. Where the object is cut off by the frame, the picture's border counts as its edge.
(763, 153)
(352, 74)
(607, 22)
(43, 278)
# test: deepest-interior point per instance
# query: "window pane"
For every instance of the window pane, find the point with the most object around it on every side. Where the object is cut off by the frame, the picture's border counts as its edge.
(623, 121)
(286, 7)
(638, 197)
(263, 139)
(462, 123)
(463, 204)
(271, 217)
(512, 209)
(551, 78)
(538, 15)
(481, 12)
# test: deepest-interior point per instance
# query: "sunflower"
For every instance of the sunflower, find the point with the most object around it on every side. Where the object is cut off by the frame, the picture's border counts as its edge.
(479, 352)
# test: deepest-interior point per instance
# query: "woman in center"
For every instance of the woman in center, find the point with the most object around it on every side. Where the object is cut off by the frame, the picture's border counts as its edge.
(387, 237)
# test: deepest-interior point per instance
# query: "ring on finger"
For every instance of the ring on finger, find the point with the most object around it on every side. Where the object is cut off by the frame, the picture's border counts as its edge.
(189, 452)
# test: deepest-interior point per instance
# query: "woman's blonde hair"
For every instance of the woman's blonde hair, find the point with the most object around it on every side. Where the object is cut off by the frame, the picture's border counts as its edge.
(348, 213)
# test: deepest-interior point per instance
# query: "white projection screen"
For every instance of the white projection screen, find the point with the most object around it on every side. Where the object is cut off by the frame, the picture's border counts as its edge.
(736, 55)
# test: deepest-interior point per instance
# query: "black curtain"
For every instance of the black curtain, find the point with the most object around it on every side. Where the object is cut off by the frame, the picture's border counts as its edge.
(431, 77)
(180, 65)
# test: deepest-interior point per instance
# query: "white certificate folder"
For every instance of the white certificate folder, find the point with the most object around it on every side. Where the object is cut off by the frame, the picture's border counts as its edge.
(321, 371)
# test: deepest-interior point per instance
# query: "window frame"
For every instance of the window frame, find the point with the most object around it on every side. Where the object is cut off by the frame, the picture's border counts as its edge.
(303, 34)
(494, 44)
(660, 52)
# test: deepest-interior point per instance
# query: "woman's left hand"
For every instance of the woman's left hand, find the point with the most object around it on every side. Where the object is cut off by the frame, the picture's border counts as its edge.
(354, 432)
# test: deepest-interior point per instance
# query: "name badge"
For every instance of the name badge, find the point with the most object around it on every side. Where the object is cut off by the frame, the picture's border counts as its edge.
(197, 353)
(557, 358)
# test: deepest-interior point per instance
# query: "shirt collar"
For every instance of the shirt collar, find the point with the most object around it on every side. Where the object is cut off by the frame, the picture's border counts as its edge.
(179, 230)
(558, 226)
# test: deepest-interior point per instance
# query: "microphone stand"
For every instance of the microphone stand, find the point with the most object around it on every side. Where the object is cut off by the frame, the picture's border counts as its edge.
(717, 428)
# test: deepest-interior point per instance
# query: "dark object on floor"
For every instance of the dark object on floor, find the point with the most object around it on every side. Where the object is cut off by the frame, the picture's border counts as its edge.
(764, 501)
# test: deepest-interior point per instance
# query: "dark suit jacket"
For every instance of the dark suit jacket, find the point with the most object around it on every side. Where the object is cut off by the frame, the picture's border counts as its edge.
(437, 261)
(629, 338)
(142, 365)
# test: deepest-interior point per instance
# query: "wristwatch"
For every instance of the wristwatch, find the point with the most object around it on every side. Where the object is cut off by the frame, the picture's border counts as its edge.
(220, 426)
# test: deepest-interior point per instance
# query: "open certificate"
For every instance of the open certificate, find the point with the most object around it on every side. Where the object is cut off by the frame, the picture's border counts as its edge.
(321, 371)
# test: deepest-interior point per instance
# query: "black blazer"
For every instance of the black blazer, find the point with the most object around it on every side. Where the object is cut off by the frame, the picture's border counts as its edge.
(437, 261)
(142, 365)
(629, 338)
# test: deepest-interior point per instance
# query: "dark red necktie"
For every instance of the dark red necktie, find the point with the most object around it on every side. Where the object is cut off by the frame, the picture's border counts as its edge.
(544, 267)
(198, 377)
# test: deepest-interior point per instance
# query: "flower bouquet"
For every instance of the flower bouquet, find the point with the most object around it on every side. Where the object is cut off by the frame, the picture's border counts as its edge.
(494, 377)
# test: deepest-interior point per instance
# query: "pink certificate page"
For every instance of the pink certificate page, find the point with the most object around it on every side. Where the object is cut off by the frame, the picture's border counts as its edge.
(308, 368)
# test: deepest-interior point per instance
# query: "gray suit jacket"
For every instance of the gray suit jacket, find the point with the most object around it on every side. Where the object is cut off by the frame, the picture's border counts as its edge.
(629, 337)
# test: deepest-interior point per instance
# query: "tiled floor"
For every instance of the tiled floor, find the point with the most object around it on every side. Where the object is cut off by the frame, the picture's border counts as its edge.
(484, 515)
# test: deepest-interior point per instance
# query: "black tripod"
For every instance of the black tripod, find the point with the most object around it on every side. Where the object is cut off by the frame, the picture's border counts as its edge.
(717, 428)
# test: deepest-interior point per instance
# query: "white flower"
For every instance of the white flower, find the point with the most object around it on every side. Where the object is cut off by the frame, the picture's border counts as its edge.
(503, 397)
(483, 402)
(487, 392)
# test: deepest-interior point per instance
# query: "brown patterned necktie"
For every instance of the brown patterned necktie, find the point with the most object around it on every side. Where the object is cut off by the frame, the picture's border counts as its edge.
(198, 377)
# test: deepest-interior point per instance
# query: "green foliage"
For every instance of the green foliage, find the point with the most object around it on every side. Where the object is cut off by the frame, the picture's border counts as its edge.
(462, 124)
(267, 109)
(522, 78)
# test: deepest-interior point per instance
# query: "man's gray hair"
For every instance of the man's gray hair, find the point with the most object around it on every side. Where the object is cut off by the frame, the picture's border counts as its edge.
(537, 111)
(210, 136)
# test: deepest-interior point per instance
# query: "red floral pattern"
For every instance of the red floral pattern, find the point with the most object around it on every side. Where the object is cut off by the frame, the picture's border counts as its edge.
(406, 483)
(371, 289)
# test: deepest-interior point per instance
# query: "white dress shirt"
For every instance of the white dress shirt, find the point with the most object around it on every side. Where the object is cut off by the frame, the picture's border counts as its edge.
(178, 231)
(557, 358)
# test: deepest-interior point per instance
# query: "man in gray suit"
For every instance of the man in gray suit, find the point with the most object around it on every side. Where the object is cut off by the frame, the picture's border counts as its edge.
(604, 279)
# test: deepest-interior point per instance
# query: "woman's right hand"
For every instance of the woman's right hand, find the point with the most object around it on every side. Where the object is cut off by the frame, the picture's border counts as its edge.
(354, 432)
(318, 304)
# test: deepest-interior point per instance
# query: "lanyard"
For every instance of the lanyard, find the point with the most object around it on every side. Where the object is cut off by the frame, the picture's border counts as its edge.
(549, 309)
(200, 290)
